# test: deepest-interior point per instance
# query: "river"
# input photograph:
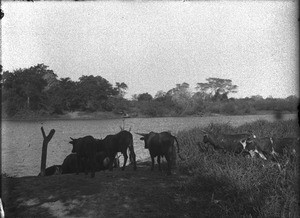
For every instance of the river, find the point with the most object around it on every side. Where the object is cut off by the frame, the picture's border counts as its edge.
(22, 140)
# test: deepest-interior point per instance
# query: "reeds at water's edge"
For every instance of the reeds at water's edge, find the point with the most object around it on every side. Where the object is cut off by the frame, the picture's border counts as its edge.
(228, 185)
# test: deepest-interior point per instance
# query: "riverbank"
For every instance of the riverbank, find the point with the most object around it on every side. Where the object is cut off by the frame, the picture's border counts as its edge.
(128, 193)
(79, 115)
(207, 183)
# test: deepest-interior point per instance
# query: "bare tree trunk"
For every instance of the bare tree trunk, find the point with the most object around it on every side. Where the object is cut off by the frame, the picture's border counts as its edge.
(44, 149)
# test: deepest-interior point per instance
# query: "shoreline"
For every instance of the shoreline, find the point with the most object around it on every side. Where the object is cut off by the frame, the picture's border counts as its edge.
(6, 176)
(77, 115)
(170, 119)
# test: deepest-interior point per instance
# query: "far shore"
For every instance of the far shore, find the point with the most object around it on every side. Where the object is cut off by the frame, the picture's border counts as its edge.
(78, 115)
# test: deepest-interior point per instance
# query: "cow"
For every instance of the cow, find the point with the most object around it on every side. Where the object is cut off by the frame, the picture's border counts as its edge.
(86, 149)
(70, 162)
(53, 170)
(287, 145)
(159, 145)
(120, 142)
(228, 142)
(274, 149)
(262, 146)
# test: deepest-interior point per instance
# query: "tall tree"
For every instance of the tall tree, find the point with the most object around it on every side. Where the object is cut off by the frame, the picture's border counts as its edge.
(63, 96)
(160, 94)
(121, 89)
(94, 91)
(27, 85)
(216, 87)
(181, 96)
(144, 97)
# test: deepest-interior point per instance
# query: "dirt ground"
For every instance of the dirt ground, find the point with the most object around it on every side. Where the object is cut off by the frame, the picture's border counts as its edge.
(141, 193)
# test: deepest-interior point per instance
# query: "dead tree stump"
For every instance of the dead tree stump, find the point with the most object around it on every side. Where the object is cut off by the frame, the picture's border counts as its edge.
(44, 149)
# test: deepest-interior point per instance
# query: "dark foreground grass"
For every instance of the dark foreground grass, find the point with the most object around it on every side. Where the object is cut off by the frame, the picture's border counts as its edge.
(236, 186)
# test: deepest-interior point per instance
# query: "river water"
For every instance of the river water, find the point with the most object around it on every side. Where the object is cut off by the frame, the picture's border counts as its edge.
(22, 140)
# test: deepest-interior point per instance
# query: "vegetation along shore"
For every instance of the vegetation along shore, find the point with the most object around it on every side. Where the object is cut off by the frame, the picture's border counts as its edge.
(36, 92)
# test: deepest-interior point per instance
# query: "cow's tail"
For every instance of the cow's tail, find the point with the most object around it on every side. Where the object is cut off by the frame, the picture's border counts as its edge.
(130, 146)
(178, 148)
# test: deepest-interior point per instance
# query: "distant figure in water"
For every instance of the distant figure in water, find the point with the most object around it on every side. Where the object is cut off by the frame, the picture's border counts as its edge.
(278, 115)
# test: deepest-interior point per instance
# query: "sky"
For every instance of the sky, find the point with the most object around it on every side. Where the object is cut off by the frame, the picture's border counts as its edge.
(153, 46)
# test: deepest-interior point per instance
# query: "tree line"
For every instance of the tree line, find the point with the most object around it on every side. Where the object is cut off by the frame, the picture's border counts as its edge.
(37, 89)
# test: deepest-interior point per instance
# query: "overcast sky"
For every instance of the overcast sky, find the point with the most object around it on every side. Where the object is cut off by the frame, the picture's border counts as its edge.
(152, 46)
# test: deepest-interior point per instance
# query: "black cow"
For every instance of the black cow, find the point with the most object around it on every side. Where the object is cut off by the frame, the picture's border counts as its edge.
(86, 149)
(102, 162)
(159, 145)
(119, 142)
(69, 164)
(228, 142)
(53, 170)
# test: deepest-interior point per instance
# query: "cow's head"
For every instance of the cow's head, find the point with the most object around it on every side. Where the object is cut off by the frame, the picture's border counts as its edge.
(74, 143)
(144, 138)
(249, 144)
(205, 137)
(251, 135)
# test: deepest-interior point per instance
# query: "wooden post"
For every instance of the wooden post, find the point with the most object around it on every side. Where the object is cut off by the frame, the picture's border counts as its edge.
(44, 149)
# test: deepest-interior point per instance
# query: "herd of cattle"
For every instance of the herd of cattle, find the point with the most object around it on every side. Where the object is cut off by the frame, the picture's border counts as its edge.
(90, 154)
(267, 148)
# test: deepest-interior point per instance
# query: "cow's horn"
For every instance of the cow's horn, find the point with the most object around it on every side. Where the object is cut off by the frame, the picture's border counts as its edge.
(71, 138)
(142, 134)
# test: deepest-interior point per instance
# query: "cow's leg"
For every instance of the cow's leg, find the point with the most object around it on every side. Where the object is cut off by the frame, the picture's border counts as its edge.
(116, 163)
(93, 165)
(125, 159)
(111, 162)
(152, 163)
(158, 162)
(134, 160)
(260, 154)
(169, 163)
(85, 165)
(132, 157)
(78, 164)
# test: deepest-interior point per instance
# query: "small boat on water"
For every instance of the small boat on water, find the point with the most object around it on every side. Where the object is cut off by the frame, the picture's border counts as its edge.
(125, 115)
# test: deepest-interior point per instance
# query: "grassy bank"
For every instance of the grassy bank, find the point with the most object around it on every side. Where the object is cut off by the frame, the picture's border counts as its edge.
(235, 186)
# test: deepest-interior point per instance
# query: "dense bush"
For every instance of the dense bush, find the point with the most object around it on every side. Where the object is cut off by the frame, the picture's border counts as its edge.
(229, 108)
(228, 185)
(38, 89)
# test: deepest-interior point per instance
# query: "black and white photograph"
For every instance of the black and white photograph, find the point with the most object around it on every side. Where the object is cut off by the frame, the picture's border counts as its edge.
(144, 108)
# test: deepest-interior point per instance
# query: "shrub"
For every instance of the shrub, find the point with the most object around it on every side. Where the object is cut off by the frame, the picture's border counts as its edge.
(229, 108)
